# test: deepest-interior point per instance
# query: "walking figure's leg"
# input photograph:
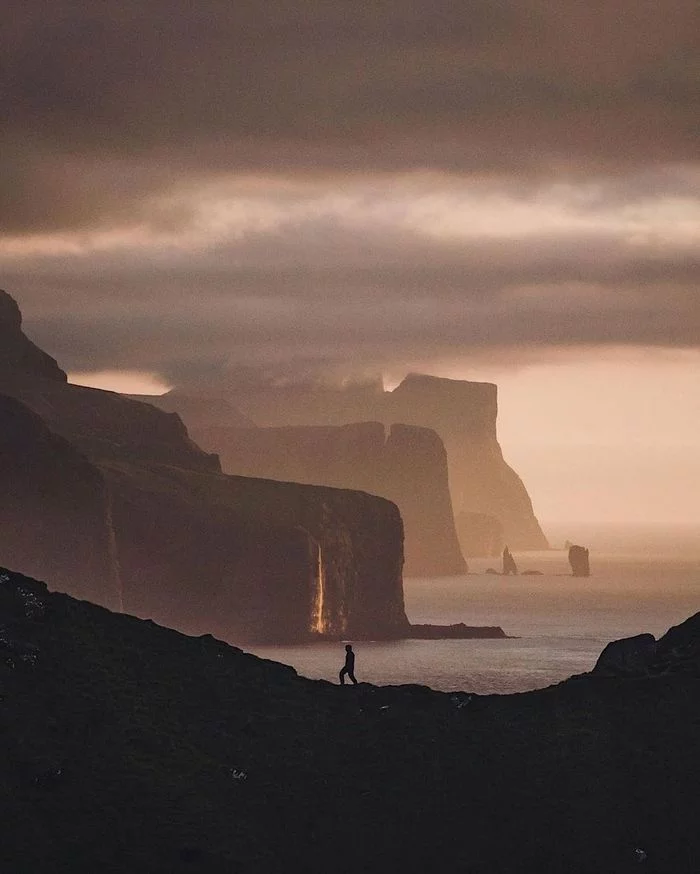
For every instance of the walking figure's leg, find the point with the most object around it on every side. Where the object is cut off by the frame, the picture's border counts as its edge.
(352, 677)
(341, 675)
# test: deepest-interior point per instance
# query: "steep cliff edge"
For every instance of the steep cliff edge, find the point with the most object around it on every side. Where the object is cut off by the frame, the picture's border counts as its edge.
(462, 413)
(17, 352)
(54, 510)
(252, 559)
(189, 545)
(408, 467)
(132, 749)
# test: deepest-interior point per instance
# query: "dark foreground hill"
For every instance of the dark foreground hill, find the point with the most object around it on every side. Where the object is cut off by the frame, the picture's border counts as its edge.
(128, 747)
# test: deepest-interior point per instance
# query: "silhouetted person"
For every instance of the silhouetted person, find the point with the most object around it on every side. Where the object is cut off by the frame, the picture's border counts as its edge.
(349, 666)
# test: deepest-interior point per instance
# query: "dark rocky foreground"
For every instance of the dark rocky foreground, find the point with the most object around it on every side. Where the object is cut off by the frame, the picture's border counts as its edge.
(127, 747)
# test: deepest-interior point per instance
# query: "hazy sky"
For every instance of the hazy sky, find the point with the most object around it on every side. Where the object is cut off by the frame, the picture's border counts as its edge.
(490, 189)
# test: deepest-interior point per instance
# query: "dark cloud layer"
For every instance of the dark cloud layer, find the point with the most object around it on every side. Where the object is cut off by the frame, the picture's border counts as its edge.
(102, 103)
(128, 244)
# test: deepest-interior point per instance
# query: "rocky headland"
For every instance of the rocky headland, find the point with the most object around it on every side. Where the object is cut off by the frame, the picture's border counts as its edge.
(109, 499)
(490, 503)
(407, 465)
(129, 748)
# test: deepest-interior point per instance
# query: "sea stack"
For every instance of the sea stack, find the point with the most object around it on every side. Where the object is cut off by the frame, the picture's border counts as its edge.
(578, 559)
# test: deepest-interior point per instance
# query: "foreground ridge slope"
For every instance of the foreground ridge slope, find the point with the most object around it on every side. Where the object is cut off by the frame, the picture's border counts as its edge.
(128, 747)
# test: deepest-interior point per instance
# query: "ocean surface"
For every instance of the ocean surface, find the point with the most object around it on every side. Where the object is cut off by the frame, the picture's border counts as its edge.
(559, 624)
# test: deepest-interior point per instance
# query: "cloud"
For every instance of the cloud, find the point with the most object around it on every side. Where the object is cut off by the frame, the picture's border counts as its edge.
(189, 189)
(103, 107)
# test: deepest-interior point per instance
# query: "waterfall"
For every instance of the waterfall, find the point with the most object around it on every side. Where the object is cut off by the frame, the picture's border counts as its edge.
(318, 620)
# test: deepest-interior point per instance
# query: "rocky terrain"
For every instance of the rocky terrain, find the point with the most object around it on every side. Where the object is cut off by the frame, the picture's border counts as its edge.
(133, 749)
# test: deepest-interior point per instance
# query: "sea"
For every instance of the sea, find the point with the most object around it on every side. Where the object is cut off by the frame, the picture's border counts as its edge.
(557, 624)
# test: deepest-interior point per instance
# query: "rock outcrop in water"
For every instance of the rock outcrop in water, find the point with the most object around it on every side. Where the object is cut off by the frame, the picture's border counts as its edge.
(128, 747)
(408, 466)
(578, 559)
(463, 414)
(509, 565)
(110, 500)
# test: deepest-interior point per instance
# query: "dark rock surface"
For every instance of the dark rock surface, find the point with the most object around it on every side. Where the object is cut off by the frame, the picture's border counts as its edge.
(678, 651)
(132, 749)
(17, 352)
(579, 561)
(54, 509)
(630, 656)
(110, 499)
(408, 466)
(462, 413)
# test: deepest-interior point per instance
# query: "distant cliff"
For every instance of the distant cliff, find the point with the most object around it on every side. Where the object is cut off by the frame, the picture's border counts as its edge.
(462, 413)
(110, 500)
(409, 467)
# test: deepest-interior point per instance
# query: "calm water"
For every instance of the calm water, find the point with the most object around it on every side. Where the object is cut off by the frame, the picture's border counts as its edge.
(561, 623)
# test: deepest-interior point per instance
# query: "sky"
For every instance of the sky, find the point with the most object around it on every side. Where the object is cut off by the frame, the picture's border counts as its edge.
(492, 190)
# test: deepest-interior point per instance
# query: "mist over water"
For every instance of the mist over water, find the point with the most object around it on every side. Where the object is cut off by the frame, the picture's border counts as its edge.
(559, 623)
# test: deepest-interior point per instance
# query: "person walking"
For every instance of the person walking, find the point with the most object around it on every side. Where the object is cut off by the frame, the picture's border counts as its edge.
(349, 666)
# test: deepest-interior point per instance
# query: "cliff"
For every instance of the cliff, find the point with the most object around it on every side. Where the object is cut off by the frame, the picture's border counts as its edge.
(17, 352)
(128, 747)
(182, 542)
(408, 466)
(54, 509)
(462, 413)
(252, 559)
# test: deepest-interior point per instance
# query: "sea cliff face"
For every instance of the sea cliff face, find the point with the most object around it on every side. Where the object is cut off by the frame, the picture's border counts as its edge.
(54, 509)
(253, 559)
(408, 466)
(463, 415)
(112, 501)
